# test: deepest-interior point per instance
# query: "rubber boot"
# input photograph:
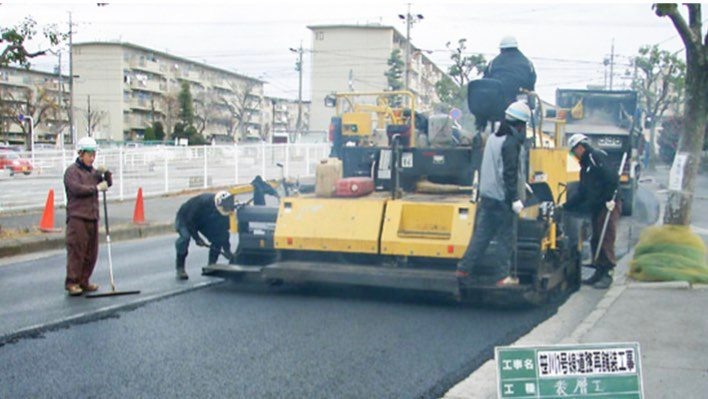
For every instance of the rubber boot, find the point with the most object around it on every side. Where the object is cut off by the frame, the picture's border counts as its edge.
(605, 280)
(181, 273)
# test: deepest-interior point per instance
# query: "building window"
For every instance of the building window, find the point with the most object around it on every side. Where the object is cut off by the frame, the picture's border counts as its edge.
(319, 35)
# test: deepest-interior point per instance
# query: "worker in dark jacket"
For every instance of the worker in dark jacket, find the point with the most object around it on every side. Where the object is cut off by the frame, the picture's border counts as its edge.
(207, 214)
(594, 197)
(82, 184)
(260, 189)
(512, 69)
(501, 187)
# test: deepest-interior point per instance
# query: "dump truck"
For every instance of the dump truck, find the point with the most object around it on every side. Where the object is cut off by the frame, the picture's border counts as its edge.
(410, 232)
(612, 122)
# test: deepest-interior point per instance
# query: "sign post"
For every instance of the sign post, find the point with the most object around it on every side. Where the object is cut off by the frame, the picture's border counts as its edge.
(577, 371)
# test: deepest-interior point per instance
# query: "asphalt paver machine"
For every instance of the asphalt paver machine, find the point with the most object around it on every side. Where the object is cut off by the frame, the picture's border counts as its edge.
(412, 230)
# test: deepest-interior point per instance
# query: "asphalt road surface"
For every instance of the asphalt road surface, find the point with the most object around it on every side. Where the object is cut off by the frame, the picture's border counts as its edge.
(232, 340)
(236, 340)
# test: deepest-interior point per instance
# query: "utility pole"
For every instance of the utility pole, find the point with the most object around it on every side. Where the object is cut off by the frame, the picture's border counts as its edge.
(298, 67)
(72, 131)
(61, 99)
(612, 62)
(88, 115)
(410, 20)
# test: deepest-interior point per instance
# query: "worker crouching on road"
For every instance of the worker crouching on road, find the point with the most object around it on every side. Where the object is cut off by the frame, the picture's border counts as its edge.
(82, 184)
(501, 186)
(594, 197)
(207, 214)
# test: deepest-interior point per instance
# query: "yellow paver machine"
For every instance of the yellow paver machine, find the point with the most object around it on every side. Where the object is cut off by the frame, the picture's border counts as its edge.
(410, 232)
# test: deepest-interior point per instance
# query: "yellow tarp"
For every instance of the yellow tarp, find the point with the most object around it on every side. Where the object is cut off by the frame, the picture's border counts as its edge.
(669, 253)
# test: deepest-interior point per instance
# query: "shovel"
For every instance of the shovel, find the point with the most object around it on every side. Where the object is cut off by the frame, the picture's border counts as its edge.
(113, 291)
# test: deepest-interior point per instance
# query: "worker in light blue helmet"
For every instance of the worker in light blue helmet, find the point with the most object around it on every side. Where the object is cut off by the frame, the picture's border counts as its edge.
(501, 186)
(512, 69)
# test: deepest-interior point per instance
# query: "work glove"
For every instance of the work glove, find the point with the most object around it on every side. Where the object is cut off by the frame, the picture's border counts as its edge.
(610, 205)
(517, 206)
(102, 169)
(102, 186)
(200, 242)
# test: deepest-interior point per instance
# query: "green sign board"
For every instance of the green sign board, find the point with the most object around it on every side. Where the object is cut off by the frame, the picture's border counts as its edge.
(577, 371)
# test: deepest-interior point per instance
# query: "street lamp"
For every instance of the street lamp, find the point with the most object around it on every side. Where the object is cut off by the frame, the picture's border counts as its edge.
(410, 20)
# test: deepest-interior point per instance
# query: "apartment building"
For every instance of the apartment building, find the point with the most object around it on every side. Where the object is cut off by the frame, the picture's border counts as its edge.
(42, 95)
(354, 58)
(122, 89)
(284, 114)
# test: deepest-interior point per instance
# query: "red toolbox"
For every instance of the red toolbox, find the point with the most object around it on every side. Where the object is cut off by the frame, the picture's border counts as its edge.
(354, 186)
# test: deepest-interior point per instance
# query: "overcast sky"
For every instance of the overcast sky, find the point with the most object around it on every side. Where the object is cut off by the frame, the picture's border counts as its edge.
(566, 42)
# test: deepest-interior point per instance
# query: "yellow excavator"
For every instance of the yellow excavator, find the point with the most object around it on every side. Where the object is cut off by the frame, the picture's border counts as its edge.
(412, 229)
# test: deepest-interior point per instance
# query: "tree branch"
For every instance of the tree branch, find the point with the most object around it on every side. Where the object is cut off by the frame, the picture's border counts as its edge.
(687, 35)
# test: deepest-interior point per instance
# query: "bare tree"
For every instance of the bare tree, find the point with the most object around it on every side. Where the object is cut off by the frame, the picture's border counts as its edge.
(38, 103)
(94, 117)
(206, 110)
(171, 108)
(688, 155)
(238, 104)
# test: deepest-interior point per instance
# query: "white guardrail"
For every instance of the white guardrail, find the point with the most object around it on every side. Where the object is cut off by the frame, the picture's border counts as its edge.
(160, 170)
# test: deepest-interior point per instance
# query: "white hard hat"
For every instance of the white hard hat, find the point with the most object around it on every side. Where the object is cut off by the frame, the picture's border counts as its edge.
(577, 139)
(87, 144)
(224, 202)
(518, 111)
(508, 42)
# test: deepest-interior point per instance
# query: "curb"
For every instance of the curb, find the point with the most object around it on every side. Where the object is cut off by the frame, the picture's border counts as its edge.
(24, 245)
(100, 313)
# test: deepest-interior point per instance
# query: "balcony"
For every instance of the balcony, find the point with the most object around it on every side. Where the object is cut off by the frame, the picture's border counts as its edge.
(147, 66)
(14, 80)
(152, 86)
(190, 76)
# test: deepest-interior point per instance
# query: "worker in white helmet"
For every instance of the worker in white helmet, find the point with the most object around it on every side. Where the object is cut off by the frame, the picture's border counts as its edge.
(594, 198)
(501, 187)
(512, 69)
(83, 183)
(206, 214)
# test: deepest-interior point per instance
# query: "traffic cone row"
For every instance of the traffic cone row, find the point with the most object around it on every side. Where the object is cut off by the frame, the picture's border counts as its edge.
(46, 224)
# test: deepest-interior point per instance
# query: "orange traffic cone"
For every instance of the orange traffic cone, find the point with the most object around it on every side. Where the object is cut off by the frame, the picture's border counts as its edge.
(139, 213)
(47, 223)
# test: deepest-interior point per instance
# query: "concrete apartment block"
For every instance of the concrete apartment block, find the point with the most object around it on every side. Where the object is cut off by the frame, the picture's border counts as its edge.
(354, 58)
(128, 87)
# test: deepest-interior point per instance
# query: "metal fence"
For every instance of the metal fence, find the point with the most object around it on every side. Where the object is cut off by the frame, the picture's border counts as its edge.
(161, 170)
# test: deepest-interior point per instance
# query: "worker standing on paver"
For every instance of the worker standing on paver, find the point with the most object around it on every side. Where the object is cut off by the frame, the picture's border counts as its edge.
(512, 69)
(501, 189)
(260, 189)
(82, 184)
(207, 214)
(594, 197)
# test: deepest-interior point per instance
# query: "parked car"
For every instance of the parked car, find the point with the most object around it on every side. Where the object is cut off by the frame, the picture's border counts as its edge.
(13, 163)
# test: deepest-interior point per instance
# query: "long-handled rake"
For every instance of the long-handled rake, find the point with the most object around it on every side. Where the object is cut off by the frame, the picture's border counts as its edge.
(113, 291)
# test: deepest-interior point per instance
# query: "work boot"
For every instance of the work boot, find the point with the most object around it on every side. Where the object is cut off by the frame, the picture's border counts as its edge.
(181, 273)
(74, 290)
(89, 287)
(604, 281)
(596, 275)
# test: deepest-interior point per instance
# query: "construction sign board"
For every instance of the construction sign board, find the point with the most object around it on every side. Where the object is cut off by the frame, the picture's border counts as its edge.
(569, 371)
